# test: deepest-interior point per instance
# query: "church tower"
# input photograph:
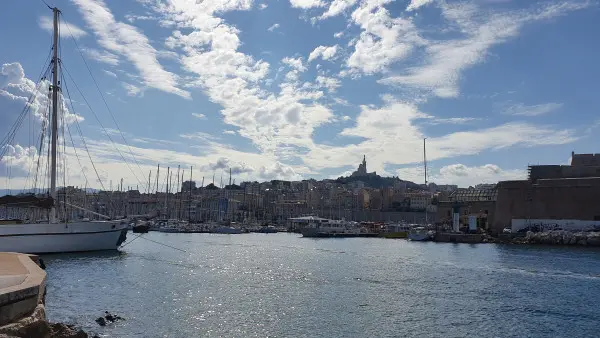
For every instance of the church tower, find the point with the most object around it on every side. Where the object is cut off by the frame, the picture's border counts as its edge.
(364, 164)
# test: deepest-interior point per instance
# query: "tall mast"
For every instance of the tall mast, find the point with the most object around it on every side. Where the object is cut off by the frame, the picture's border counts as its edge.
(157, 174)
(190, 196)
(54, 112)
(425, 164)
(425, 160)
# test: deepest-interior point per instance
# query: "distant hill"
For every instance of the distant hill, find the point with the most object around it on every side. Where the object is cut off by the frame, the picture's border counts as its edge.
(377, 181)
(15, 192)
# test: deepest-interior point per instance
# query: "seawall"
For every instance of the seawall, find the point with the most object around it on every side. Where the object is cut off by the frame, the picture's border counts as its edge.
(22, 287)
(22, 298)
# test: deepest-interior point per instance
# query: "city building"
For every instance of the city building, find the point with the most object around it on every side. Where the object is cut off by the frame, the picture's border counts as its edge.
(479, 201)
(418, 200)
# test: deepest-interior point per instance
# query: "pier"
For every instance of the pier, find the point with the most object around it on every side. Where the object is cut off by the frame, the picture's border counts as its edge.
(22, 291)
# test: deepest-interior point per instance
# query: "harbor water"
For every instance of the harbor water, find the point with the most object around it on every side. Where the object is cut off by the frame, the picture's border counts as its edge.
(282, 285)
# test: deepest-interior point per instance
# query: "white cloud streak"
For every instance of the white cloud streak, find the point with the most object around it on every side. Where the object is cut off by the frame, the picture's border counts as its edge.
(520, 109)
(462, 175)
(416, 4)
(47, 24)
(102, 56)
(446, 60)
(129, 41)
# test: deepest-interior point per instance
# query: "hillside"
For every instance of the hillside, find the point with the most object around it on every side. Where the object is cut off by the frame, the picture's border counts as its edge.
(377, 181)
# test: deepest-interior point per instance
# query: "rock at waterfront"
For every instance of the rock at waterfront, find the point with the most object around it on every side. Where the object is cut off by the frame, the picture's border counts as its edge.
(36, 326)
(593, 239)
(101, 321)
(560, 237)
(60, 330)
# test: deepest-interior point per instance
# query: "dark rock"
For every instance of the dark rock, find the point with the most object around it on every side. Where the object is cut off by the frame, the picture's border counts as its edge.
(101, 321)
(111, 318)
(60, 330)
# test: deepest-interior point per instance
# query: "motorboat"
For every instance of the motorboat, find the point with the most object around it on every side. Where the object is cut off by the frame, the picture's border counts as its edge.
(420, 234)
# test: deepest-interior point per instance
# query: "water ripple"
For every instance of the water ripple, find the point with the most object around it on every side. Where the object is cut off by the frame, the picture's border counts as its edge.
(282, 285)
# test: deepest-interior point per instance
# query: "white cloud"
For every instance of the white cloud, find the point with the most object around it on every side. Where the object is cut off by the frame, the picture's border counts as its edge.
(109, 73)
(280, 122)
(379, 131)
(229, 132)
(346, 118)
(129, 41)
(324, 52)
(20, 157)
(273, 27)
(452, 120)
(224, 163)
(296, 63)
(233, 79)
(521, 109)
(13, 73)
(132, 90)
(102, 56)
(199, 135)
(338, 34)
(133, 18)
(383, 40)
(337, 7)
(279, 171)
(200, 116)
(47, 24)
(462, 175)
(327, 82)
(416, 4)
(262, 6)
(446, 59)
(16, 87)
(306, 4)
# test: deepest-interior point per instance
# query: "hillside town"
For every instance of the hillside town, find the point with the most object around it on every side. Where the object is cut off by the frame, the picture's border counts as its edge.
(551, 192)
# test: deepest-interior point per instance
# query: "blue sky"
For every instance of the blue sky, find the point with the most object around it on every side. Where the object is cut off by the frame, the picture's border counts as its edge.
(293, 89)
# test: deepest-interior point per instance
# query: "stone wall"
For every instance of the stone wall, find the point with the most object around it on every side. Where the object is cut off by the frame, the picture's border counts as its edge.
(22, 286)
(537, 172)
(572, 199)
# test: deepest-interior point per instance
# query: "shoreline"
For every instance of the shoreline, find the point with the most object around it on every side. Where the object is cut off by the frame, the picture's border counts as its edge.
(554, 238)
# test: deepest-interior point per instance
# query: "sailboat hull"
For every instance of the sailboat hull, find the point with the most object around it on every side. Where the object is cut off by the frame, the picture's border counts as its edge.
(70, 237)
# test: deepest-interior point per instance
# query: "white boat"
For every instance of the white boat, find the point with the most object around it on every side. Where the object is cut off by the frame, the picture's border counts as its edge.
(419, 234)
(227, 230)
(56, 235)
(62, 237)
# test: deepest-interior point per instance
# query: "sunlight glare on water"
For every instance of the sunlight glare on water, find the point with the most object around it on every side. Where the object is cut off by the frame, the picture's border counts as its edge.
(282, 285)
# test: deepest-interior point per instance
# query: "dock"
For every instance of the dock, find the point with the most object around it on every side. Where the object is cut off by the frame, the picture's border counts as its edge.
(22, 290)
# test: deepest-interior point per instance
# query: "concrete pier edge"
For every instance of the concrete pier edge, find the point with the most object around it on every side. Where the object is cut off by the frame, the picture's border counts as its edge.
(22, 287)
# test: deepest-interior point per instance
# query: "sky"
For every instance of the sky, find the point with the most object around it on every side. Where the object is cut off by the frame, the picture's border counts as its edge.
(299, 89)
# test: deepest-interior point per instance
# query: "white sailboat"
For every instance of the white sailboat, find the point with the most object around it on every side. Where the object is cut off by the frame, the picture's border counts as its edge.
(55, 235)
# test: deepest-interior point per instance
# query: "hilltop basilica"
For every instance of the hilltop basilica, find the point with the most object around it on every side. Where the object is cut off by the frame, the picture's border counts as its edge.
(362, 169)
